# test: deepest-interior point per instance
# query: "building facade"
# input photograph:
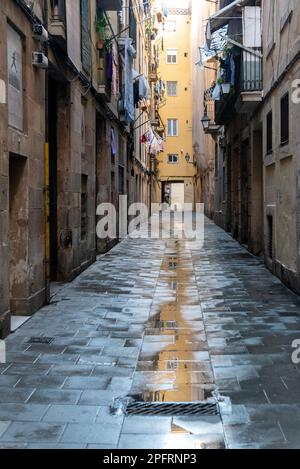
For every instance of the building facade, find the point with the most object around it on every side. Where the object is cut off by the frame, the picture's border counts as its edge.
(257, 153)
(70, 131)
(203, 74)
(176, 164)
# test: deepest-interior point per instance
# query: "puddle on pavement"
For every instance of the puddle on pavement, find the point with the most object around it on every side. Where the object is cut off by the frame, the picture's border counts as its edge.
(174, 363)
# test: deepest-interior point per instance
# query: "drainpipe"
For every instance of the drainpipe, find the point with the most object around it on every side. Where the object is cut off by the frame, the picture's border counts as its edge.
(46, 173)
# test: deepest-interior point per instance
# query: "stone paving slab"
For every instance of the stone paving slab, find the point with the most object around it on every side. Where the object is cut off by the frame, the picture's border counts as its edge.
(164, 320)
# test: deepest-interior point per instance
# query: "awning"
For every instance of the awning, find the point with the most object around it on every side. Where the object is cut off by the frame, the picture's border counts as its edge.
(221, 17)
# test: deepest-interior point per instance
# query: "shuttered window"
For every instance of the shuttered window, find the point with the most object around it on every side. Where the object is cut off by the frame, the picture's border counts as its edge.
(284, 117)
(85, 35)
(172, 128)
(269, 134)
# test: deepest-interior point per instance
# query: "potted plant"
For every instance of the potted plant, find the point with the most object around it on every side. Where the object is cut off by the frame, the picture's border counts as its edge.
(224, 85)
(100, 26)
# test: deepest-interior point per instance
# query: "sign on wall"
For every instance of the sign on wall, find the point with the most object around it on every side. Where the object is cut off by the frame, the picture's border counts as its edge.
(15, 78)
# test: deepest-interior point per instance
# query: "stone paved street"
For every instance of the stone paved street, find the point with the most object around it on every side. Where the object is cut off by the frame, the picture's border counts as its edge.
(161, 320)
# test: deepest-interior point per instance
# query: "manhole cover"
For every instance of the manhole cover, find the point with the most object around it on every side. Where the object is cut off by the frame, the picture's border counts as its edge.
(41, 340)
(173, 408)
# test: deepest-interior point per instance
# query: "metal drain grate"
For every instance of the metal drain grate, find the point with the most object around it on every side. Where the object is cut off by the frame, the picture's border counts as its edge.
(166, 325)
(41, 340)
(173, 408)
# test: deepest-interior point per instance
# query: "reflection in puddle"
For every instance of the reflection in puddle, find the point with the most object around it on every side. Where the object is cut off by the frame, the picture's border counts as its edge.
(174, 363)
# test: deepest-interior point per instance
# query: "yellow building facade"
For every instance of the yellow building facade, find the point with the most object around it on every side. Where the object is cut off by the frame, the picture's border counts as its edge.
(176, 167)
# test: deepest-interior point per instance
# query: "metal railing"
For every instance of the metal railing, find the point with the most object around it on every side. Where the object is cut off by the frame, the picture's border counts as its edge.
(251, 72)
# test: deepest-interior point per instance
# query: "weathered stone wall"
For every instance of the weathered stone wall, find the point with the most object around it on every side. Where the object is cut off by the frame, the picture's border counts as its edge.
(22, 175)
(281, 165)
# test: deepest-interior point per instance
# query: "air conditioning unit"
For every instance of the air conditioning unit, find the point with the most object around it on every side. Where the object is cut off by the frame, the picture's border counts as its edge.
(110, 5)
(39, 33)
(39, 60)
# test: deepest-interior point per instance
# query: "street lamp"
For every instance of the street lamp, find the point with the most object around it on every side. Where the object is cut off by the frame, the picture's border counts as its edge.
(187, 158)
(205, 122)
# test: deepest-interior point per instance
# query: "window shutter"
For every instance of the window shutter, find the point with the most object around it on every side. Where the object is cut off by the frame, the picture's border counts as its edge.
(85, 35)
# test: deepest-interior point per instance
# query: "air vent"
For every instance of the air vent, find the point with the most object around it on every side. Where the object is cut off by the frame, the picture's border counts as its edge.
(41, 340)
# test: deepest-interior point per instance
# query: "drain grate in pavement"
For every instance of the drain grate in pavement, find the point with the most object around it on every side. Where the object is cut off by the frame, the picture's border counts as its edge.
(173, 408)
(41, 340)
(166, 325)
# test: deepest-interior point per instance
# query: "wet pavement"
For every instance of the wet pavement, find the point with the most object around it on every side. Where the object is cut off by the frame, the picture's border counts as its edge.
(160, 321)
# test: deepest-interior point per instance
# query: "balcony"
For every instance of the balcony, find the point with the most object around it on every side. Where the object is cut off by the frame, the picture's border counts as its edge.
(211, 127)
(240, 77)
(251, 83)
(246, 94)
(57, 22)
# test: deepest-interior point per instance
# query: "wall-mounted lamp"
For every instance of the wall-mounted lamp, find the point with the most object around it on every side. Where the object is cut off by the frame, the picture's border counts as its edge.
(188, 160)
(205, 122)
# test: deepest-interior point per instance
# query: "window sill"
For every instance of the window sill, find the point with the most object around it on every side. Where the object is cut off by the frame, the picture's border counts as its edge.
(285, 151)
(269, 159)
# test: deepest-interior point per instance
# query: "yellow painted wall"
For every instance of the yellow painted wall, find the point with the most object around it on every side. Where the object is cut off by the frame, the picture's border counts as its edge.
(179, 107)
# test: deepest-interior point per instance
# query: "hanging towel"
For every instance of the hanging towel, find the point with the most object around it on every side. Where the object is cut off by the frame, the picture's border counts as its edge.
(113, 143)
(129, 96)
(144, 89)
(115, 71)
(109, 66)
(232, 67)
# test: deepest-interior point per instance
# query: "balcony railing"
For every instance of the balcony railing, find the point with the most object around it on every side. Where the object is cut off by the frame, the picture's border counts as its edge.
(251, 72)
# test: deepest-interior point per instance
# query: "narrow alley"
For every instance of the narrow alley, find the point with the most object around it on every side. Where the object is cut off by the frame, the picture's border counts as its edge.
(160, 322)
(149, 229)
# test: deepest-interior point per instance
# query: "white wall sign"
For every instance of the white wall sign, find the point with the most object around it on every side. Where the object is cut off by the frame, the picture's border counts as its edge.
(2, 352)
(2, 92)
(15, 78)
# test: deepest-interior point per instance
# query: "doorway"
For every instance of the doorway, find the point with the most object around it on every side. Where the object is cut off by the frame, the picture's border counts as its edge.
(257, 206)
(18, 232)
(173, 194)
(244, 228)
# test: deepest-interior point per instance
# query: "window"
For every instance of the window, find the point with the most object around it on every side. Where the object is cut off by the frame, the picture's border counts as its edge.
(170, 26)
(172, 128)
(83, 127)
(284, 118)
(285, 10)
(173, 159)
(132, 23)
(271, 27)
(269, 132)
(172, 55)
(172, 88)
(85, 35)
(121, 180)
